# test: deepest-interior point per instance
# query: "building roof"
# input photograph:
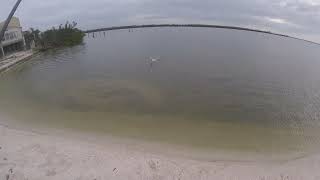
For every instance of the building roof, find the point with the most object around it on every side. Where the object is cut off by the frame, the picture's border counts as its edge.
(14, 23)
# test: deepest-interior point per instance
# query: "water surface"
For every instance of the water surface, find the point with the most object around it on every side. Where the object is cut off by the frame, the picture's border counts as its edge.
(212, 89)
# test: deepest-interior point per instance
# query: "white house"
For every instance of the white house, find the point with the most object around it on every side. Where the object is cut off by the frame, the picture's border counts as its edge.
(13, 39)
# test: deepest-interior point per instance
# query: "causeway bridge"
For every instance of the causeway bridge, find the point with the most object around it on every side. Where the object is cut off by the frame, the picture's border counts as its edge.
(112, 28)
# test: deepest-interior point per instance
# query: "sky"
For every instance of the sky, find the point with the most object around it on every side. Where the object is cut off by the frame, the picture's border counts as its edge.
(299, 18)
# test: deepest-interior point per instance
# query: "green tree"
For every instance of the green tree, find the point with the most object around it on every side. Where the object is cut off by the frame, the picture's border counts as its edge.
(64, 35)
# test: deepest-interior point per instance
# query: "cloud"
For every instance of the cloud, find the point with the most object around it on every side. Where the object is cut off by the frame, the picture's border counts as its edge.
(301, 17)
(277, 20)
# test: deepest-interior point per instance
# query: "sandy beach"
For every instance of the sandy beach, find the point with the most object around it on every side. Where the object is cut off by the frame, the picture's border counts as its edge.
(26, 154)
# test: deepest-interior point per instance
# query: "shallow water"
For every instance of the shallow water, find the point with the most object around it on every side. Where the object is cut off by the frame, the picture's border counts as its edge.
(211, 89)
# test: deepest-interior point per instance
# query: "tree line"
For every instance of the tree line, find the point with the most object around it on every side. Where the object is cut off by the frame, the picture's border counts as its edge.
(65, 35)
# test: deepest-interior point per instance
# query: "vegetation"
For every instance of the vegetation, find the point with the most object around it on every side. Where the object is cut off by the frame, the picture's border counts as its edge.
(31, 35)
(64, 35)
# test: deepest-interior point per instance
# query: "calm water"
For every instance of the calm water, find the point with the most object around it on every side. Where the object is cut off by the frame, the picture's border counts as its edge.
(211, 89)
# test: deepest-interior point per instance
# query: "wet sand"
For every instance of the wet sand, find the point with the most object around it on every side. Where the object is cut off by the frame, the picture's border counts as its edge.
(27, 154)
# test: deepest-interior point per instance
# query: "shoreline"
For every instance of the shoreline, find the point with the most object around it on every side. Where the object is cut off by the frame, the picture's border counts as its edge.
(224, 148)
(15, 59)
(27, 154)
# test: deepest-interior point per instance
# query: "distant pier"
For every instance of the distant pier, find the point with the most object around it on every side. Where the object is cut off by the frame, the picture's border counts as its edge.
(112, 28)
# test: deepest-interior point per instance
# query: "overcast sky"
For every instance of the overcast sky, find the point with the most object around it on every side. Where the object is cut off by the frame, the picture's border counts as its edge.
(294, 17)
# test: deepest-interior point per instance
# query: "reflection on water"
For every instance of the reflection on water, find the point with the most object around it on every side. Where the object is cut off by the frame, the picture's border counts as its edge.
(214, 89)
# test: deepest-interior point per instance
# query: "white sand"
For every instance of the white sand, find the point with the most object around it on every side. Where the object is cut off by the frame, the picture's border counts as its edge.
(35, 156)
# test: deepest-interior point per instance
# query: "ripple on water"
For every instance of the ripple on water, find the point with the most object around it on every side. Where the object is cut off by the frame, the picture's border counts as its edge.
(212, 93)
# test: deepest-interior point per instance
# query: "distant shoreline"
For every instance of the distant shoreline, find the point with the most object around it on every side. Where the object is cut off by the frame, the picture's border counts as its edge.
(195, 25)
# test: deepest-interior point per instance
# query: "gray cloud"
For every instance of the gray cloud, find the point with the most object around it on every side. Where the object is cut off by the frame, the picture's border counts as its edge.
(294, 17)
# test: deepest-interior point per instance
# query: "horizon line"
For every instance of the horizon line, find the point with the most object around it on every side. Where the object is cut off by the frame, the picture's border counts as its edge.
(111, 28)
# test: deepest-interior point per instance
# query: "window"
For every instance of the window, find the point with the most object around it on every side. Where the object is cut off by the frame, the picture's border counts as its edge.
(10, 36)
